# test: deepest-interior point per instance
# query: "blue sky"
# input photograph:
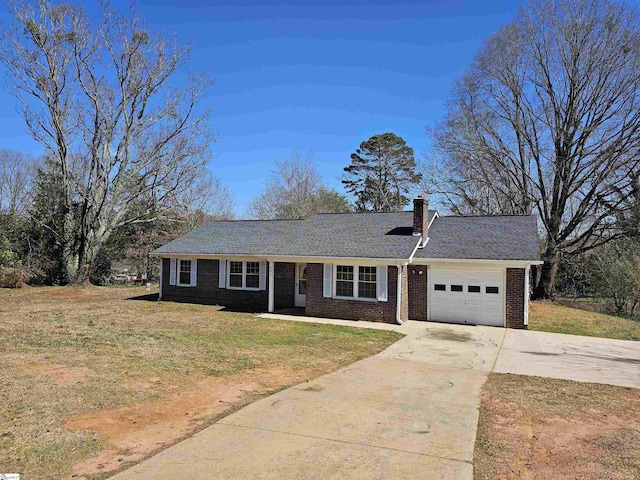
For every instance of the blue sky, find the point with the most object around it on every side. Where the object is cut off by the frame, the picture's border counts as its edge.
(313, 76)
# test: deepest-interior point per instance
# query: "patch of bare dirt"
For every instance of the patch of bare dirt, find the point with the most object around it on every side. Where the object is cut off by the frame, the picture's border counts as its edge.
(61, 374)
(134, 432)
(592, 444)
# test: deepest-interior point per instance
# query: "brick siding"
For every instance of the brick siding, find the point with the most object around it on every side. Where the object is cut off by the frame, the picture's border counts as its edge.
(417, 281)
(421, 217)
(285, 284)
(515, 298)
(206, 291)
(373, 311)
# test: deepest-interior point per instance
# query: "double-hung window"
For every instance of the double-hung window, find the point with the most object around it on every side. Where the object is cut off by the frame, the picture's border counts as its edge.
(184, 273)
(367, 282)
(236, 276)
(344, 281)
(360, 282)
(252, 275)
(244, 275)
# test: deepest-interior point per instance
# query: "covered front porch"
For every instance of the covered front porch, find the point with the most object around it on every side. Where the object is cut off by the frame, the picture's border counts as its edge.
(287, 287)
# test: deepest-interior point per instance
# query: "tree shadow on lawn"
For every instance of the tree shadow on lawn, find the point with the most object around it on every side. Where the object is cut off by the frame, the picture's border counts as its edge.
(150, 297)
(154, 297)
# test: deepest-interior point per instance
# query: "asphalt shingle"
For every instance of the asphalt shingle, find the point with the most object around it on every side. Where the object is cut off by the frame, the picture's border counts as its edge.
(511, 237)
(364, 235)
(354, 235)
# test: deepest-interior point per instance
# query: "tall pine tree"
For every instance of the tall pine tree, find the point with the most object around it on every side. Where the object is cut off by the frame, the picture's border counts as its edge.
(381, 174)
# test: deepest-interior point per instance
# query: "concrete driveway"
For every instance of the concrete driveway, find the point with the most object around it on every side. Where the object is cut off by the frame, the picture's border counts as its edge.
(410, 412)
(570, 357)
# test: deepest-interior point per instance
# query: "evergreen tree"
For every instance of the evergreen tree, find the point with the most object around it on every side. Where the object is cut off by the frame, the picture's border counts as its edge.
(381, 173)
(45, 232)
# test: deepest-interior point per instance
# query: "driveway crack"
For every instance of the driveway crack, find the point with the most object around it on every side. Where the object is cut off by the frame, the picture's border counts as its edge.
(346, 442)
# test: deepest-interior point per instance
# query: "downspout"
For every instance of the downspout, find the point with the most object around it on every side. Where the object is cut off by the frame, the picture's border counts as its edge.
(161, 279)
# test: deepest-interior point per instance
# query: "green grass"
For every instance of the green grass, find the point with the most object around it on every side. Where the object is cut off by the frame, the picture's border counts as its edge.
(120, 343)
(550, 317)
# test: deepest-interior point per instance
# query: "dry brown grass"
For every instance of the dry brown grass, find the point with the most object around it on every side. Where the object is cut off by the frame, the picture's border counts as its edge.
(92, 380)
(537, 428)
(551, 317)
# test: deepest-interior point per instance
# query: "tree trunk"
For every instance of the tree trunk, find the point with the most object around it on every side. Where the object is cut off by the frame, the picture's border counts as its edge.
(69, 254)
(86, 260)
(547, 276)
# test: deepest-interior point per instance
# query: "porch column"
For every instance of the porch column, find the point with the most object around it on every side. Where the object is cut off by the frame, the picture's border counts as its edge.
(272, 293)
(399, 295)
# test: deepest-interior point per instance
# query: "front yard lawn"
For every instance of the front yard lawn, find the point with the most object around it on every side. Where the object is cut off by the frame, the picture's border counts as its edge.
(550, 317)
(546, 429)
(93, 380)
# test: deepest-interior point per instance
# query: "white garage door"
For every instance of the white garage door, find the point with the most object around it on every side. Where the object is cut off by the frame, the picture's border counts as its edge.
(467, 296)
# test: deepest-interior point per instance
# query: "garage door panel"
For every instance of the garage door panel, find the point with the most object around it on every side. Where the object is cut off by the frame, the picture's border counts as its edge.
(464, 296)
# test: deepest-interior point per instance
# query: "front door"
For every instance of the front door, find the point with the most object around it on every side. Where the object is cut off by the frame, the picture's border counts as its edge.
(301, 285)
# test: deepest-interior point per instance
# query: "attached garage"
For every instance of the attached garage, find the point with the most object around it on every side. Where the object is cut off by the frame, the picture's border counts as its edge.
(467, 296)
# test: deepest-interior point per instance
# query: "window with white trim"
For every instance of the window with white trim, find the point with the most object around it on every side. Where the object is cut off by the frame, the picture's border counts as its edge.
(359, 282)
(252, 275)
(367, 282)
(184, 273)
(344, 281)
(236, 278)
(243, 275)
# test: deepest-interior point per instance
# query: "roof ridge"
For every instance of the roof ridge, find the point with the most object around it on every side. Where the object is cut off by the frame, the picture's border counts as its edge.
(488, 216)
(257, 220)
(367, 212)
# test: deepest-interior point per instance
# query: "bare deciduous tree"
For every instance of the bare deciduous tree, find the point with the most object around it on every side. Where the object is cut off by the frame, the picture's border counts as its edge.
(547, 120)
(207, 199)
(98, 96)
(295, 190)
(17, 172)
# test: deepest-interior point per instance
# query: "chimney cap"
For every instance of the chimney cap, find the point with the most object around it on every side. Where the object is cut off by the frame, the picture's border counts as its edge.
(420, 197)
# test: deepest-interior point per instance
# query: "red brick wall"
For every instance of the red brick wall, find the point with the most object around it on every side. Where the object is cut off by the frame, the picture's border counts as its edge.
(421, 217)
(373, 311)
(515, 298)
(207, 291)
(417, 292)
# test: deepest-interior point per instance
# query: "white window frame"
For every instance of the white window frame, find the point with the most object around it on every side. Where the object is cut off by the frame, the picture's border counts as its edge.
(356, 277)
(244, 275)
(179, 264)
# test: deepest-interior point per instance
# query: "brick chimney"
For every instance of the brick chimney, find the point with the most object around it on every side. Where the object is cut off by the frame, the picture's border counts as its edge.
(421, 218)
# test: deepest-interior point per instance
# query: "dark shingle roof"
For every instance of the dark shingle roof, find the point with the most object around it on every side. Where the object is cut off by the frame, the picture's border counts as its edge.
(511, 237)
(355, 235)
(365, 235)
